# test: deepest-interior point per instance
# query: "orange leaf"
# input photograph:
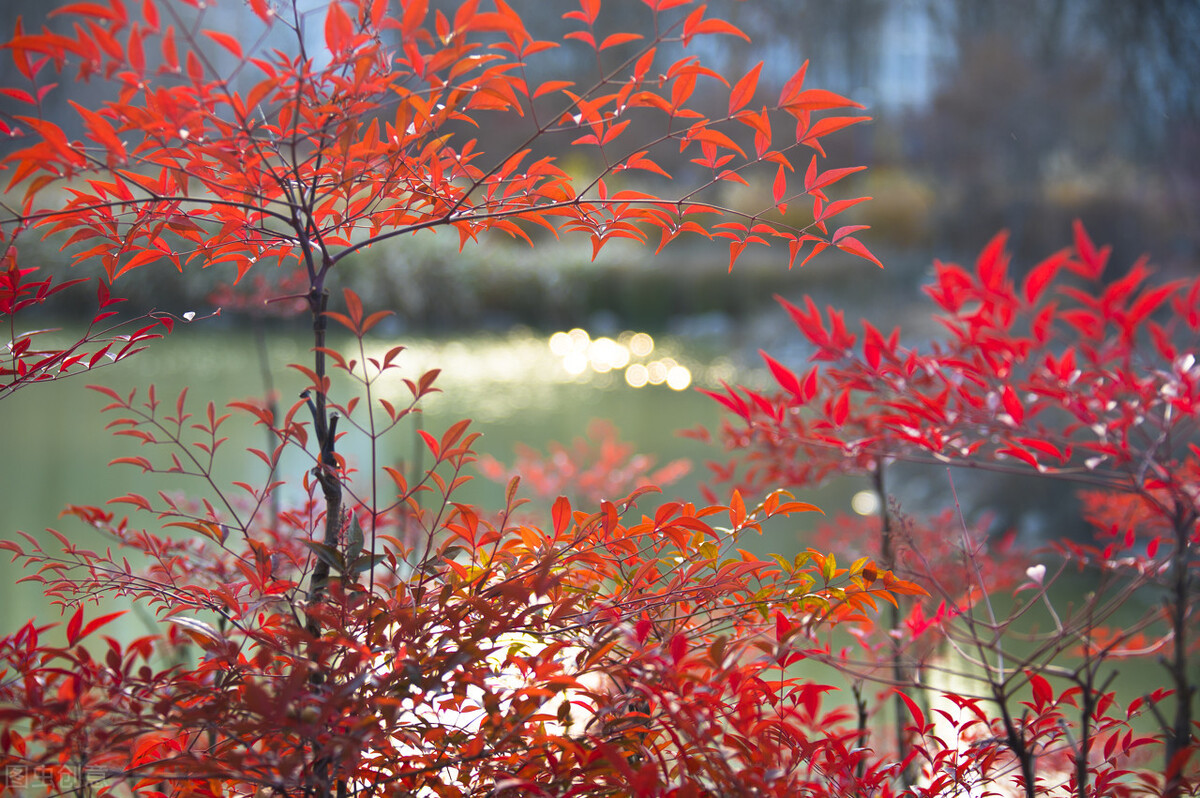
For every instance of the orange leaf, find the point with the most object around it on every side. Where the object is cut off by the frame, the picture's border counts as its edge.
(737, 510)
(354, 306)
(561, 513)
(618, 38)
(818, 99)
(230, 43)
(743, 92)
(338, 28)
(855, 247)
(780, 187)
(552, 85)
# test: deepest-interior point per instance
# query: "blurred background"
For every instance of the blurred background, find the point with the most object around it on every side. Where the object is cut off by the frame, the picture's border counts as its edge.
(986, 114)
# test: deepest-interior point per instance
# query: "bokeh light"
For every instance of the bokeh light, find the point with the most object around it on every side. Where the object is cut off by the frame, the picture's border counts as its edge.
(580, 354)
(656, 372)
(641, 344)
(637, 376)
(575, 363)
(560, 344)
(606, 354)
(678, 378)
(865, 502)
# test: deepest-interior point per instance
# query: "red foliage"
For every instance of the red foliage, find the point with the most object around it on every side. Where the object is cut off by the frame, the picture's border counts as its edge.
(37, 355)
(1063, 376)
(364, 632)
(589, 471)
(357, 629)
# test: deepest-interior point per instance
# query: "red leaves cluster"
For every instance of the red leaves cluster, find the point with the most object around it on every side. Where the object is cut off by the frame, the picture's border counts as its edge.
(1058, 374)
(33, 356)
(610, 650)
(588, 470)
(298, 167)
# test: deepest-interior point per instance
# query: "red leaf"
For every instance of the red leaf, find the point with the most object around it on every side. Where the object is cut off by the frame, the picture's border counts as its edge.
(734, 402)
(1091, 262)
(1041, 275)
(817, 100)
(793, 86)
(1043, 693)
(843, 232)
(696, 25)
(834, 208)
(743, 91)
(783, 375)
(780, 187)
(1045, 447)
(914, 710)
(96, 623)
(872, 345)
(1149, 301)
(618, 38)
(261, 10)
(809, 386)
(992, 264)
(431, 442)
(841, 409)
(814, 180)
(855, 247)
(823, 127)
(339, 30)
(1012, 405)
(679, 647)
(643, 627)
(230, 43)
(94, 10)
(1021, 454)
(73, 627)
(782, 626)
(808, 321)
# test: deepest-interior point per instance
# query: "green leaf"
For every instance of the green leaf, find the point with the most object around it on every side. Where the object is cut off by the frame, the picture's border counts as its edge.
(328, 555)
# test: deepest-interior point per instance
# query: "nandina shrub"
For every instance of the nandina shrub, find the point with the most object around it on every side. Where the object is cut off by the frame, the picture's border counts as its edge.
(447, 650)
(1067, 376)
(348, 627)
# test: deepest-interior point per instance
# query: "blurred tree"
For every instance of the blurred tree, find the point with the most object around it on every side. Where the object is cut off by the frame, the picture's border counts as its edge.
(1039, 90)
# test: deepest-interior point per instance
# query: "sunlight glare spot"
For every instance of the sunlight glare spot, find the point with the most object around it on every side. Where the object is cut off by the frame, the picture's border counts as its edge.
(575, 363)
(865, 502)
(678, 378)
(579, 339)
(560, 344)
(656, 372)
(641, 344)
(606, 355)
